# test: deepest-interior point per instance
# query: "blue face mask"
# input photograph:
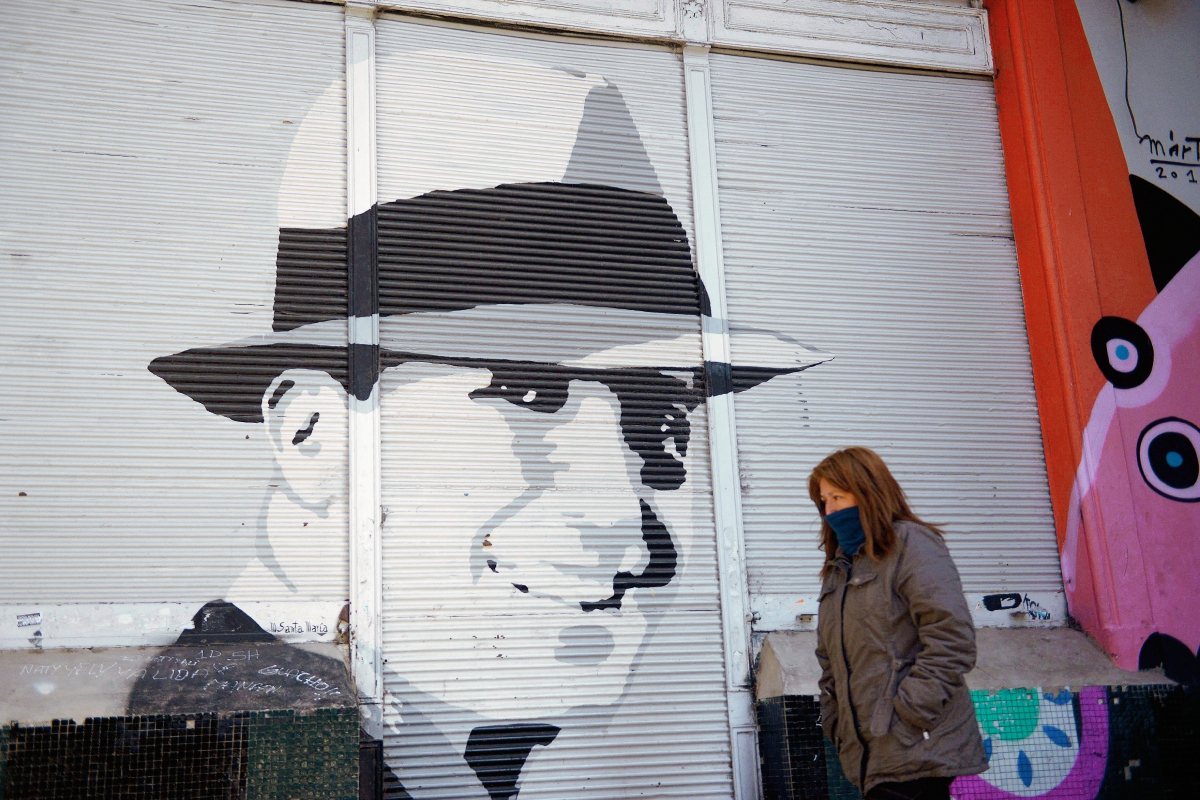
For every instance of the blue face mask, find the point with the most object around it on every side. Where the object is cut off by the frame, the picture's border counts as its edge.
(848, 529)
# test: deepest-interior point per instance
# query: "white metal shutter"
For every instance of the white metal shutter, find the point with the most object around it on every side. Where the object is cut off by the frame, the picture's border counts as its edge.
(865, 213)
(637, 715)
(158, 161)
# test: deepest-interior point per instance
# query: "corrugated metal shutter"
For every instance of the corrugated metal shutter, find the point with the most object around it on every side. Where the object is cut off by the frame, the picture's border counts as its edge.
(866, 213)
(174, 185)
(551, 610)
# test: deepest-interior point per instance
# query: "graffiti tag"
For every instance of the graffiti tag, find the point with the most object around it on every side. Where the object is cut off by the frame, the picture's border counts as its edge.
(85, 669)
(255, 687)
(320, 687)
(1017, 603)
(1171, 158)
(1034, 610)
(320, 628)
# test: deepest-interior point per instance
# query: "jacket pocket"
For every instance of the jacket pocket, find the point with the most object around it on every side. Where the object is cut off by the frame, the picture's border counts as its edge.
(884, 717)
(906, 734)
(863, 580)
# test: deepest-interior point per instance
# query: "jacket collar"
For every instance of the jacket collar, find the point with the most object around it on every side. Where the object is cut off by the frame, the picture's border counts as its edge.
(864, 568)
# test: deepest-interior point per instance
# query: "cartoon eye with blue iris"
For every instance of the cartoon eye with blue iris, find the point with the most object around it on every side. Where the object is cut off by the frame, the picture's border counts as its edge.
(1122, 355)
(1123, 352)
(1167, 456)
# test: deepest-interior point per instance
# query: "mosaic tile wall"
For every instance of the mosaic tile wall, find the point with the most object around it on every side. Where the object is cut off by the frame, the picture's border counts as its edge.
(1101, 743)
(275, 755)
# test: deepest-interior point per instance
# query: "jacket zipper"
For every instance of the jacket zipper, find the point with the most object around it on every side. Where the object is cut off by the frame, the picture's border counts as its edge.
(862, 767)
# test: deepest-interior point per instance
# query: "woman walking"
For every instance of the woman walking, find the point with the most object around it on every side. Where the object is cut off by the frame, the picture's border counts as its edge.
(894, 637)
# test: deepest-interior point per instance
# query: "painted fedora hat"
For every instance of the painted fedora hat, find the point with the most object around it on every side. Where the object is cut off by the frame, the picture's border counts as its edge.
(508, 241)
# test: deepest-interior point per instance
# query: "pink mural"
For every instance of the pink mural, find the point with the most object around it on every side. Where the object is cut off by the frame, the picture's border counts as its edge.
(1136, 486)
(1131, 548)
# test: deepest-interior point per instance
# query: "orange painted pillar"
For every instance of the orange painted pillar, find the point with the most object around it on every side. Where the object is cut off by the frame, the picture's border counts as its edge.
(1081, 257)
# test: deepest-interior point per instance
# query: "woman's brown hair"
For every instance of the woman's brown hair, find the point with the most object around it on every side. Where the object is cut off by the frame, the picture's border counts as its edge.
(881, 502)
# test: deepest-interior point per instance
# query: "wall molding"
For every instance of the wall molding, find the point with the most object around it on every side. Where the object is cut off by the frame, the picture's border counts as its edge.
(999, 609)
(905, 34)
(45, 626)
(366, 571)
(655, 19)
(923, 34)
(722, 428)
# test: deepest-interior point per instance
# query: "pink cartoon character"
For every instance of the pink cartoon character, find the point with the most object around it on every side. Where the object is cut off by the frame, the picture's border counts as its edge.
(1131, 559)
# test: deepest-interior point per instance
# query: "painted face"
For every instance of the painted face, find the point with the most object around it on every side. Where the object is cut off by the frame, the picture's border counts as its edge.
(524, 504)
(305, 412)
(301, 544)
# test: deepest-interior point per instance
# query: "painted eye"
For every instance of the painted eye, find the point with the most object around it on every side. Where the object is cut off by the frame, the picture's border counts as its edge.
(1123, 352)
(543, 390)
(1167, 457)
(1122, 355)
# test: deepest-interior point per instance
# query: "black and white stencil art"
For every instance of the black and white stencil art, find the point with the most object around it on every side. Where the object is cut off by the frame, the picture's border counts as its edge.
(541, 386)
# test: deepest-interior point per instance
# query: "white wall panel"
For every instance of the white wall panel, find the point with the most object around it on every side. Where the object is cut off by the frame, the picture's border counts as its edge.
(933, 34)
(151, 154)
(865, 213)
(507, 257)
(620, 17)
(949, 35)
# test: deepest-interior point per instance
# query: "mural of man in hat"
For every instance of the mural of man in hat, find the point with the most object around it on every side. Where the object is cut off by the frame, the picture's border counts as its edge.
(541, 373)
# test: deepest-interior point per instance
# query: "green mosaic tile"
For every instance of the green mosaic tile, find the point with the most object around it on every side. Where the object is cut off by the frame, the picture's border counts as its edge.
(303, 756)
(3, 757)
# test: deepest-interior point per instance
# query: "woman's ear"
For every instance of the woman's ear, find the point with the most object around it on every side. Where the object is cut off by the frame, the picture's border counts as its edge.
(306, 417)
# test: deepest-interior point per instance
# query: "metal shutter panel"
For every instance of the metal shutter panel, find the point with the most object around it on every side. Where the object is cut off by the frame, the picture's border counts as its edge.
(665, 730)
(865, 212)
(149, 197)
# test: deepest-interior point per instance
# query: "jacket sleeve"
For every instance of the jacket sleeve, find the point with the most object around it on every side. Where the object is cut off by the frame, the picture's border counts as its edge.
(928, 580)
(828, 696)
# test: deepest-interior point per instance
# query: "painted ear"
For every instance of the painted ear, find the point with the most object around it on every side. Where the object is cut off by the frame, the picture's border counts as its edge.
(293, 405)
(1123, 352)
(306, 416)
(1170, 230)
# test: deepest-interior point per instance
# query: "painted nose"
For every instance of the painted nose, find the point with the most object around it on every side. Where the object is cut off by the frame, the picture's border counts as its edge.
(595, 470)
(585, 527)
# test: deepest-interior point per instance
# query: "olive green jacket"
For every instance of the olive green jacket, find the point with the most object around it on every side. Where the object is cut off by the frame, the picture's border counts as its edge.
(894, 640)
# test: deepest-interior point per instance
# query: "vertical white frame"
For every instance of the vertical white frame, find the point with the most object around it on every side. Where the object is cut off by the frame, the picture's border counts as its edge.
(366, 577)
(722, 430)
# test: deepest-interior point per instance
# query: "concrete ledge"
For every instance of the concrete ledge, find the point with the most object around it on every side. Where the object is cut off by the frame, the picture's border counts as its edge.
(40, 686)
(1008, 658)
(788, 665)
